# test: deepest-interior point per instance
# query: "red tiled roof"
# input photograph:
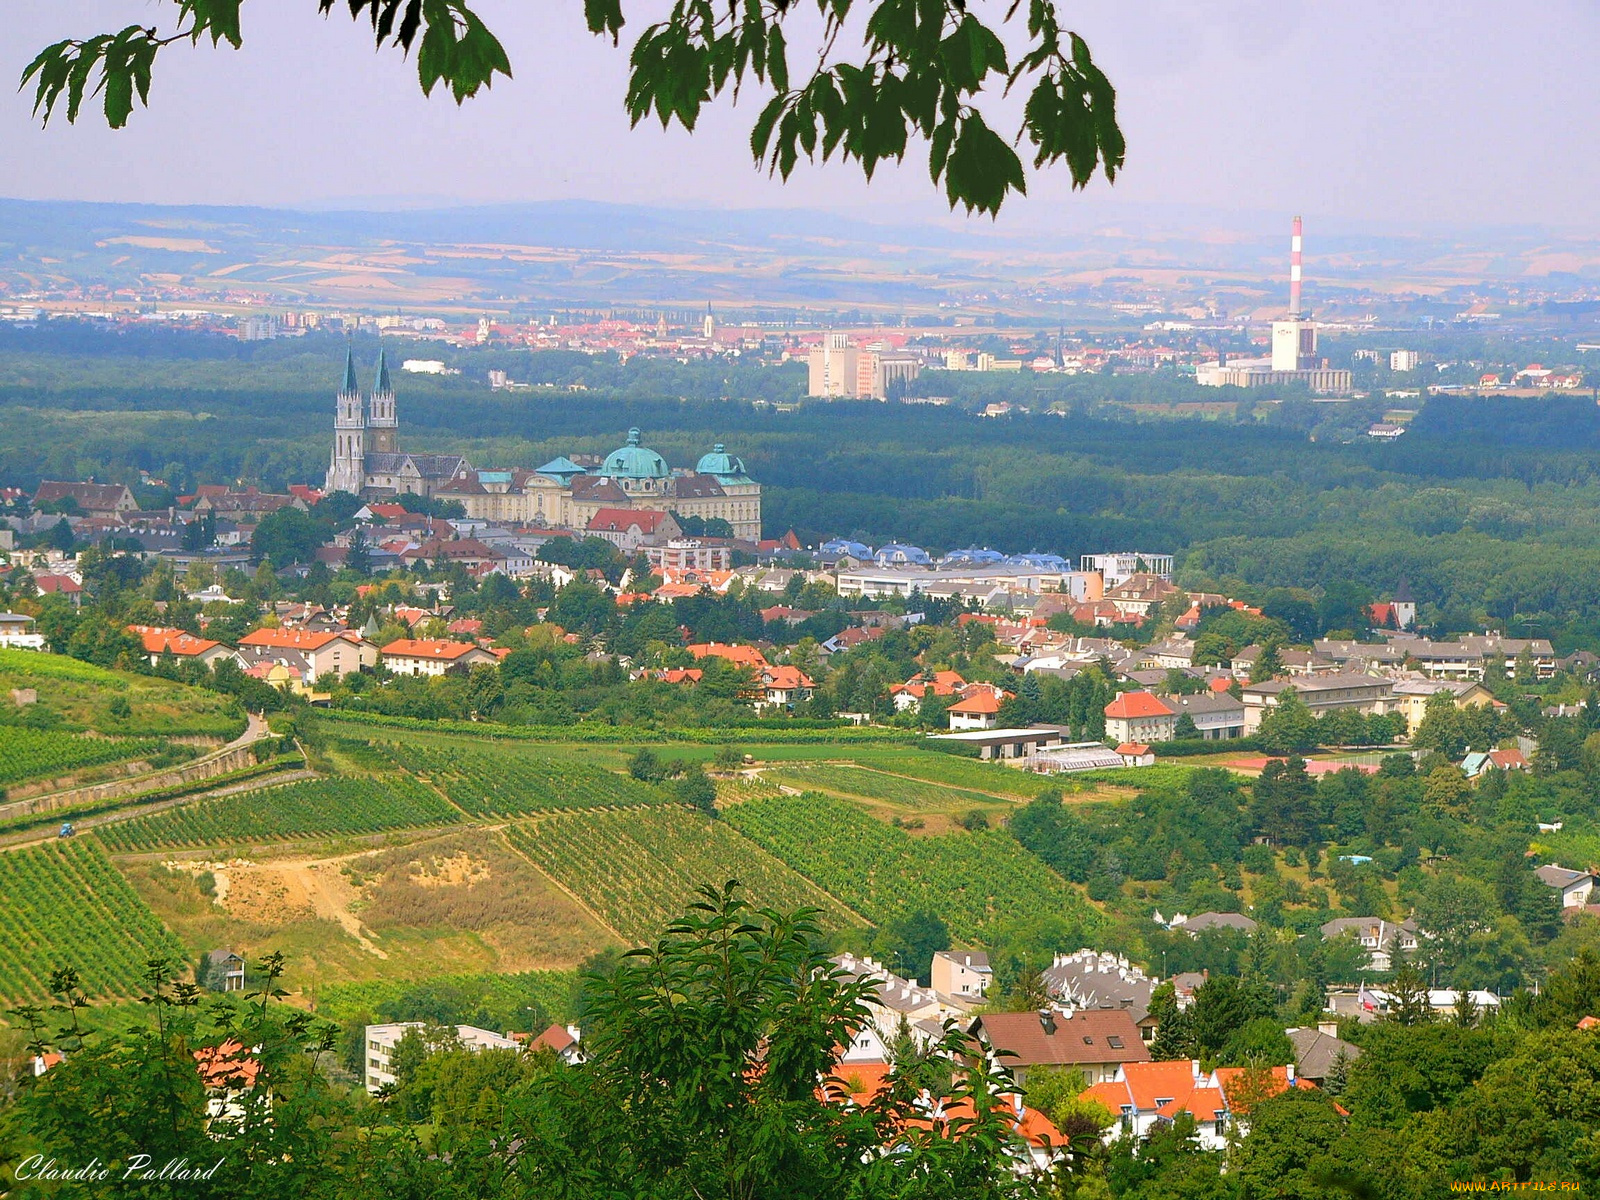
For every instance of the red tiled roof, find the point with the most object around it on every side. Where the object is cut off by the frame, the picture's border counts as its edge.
(415, 648)
(158, 640)
(1137, 704)
(288, 639)
(744, 656)
(979, 704)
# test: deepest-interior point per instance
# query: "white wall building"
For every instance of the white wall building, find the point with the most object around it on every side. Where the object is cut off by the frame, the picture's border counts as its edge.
(382, 1039)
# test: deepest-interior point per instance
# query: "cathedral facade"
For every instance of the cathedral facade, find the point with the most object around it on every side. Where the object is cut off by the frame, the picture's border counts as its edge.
(367, 461)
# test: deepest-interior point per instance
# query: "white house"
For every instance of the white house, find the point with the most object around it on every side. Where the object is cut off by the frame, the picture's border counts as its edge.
(382, 1039)
(411, 656)
(961, 974)
(1573, 886)
(17, 632)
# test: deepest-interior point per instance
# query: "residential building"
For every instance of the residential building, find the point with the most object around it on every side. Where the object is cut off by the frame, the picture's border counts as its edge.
(564, 1041)
(411, 656)
(1574, 887)
(1118, 566)
(1139, 717)
(978, 709)
(1321, 694)
(1138, 596)
(1090, 979)
(1411, 696)
(1216, 715)
(1317, 1051)
(17, 632)
(1369, 1004)
(897, 1001)
(961, 974)
(782, 686)
(1099, 1042)
(331, 653)
(382, 1039)
(629, 529)
(1376, 935)
(161, 642)
(689, 554)
(1404, 360)
(92, 499)
(1144, 1095)
(1509, 759)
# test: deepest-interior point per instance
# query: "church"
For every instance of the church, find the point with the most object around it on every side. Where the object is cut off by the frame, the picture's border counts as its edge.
(367, 460)
(562, 494)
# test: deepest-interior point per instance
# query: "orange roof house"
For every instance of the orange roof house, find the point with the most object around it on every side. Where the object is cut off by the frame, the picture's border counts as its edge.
(412, 656)
(739, 656)
(159, 641)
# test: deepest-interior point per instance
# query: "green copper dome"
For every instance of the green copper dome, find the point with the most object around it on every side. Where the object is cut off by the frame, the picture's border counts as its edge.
(719, 462)
(634, 461)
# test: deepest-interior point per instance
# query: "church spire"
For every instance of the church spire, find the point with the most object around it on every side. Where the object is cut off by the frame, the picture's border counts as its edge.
(350, 386)
(382, 385)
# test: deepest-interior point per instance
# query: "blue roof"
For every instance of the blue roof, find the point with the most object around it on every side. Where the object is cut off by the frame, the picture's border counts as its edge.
(1052, 562)
(561, 466)
(896, 552)
(974, 555)
(845, 546)
(634, 461)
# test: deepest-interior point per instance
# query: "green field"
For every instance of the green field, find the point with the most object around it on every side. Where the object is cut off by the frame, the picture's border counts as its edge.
(969, 880)
(512, 781)
(310, 808)
(47, 754)
(77, 696)
(935, 766)
(638, 868)
(65, 905)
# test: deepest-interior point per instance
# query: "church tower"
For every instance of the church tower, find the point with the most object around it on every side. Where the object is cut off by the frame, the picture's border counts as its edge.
(384, 426)
(348, 470)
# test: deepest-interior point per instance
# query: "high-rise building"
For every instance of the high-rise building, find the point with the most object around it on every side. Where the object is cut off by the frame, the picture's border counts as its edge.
(841, 371)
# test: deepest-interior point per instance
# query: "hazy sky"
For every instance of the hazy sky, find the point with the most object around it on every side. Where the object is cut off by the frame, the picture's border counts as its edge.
(1468, 112)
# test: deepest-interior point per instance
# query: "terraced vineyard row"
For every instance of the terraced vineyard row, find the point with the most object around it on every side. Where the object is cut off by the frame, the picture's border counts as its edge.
(876, 785)
(637, 869)
(45, 753)
(310, 808)
(512, 782)
(969, 880)
(993, 779)
(65, 905)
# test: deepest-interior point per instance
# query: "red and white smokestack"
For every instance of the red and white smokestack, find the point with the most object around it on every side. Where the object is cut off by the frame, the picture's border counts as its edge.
(1294, 270)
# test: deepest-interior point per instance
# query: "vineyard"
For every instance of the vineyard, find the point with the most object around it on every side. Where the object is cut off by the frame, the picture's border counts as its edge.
(638, 869)
(310, 808)
(876, 785)
(994, 779)
(551, 991)
(511, 782)
(742, 788)
(47, 754)
(969, 880)
(66, 905)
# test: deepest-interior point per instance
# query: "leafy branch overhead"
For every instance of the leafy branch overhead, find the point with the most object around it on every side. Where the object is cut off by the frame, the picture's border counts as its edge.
(917, 69)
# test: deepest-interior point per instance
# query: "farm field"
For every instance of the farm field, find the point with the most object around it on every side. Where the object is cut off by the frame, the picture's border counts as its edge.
(969, 880)
(47, 754)
(310, 808)
(76, 695)
(65, 905)
(551, 991)
(637, 868)
(515, 781)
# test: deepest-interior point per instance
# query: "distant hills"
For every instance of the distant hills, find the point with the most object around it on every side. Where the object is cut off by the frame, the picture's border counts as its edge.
(585, 253)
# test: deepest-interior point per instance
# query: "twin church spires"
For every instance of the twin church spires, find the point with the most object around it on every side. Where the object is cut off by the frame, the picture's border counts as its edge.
(361, 427)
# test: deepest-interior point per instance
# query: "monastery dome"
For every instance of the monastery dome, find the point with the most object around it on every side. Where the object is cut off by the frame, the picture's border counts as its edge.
(719, 462)
(634, 461)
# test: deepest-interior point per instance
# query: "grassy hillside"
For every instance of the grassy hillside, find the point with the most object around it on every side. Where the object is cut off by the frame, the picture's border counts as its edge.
(75, 696)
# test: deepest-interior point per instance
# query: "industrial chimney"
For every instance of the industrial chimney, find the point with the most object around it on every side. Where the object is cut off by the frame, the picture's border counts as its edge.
(1295, 310)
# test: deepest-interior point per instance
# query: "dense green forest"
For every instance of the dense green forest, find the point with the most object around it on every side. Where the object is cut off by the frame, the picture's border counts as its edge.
(1486, 505)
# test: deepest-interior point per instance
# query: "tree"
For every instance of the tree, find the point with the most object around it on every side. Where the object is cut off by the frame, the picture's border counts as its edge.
(697, 791)
(289, 536)
(1290, 726)
(1287, 1151)
(907, 943)
(1185, 728)
(1223, 1004)
(704, 1055)
(920, 72)
(1268, 664)
(1284, 802)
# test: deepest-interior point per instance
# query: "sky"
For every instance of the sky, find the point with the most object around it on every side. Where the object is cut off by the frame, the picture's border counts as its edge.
(1362, 115)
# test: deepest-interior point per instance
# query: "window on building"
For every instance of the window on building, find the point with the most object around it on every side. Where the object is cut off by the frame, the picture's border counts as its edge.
(1114, 1042)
